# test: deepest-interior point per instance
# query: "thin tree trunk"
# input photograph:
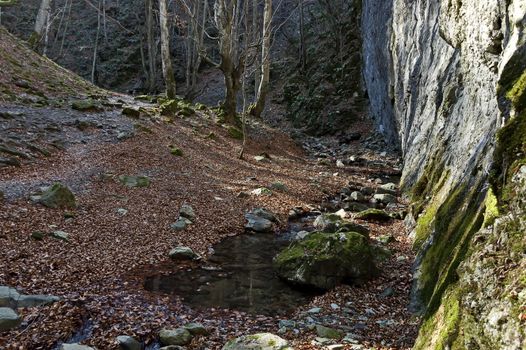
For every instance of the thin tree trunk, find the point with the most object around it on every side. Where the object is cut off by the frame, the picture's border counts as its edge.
(303, 49)
(65, 29)
(94, 63)
(265, 61)
(152, 74)
(40, 23)
(168, 72)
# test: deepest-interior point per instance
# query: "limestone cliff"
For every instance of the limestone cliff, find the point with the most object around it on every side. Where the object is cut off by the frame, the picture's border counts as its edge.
(447, 75)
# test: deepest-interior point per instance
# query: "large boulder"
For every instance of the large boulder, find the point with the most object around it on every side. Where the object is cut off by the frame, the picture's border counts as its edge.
(260, 341)
(8, 319)
(373, 215)
(179, 336)
(8, 296)
(128, 343)
(324, 260)
(58, 196)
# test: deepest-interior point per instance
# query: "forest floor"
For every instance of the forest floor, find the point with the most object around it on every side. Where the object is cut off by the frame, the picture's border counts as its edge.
(99, 273)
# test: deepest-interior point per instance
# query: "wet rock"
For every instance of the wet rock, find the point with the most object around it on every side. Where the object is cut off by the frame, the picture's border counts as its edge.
(324, 260)
(260, 341)
(183, 253)
(179, 336)
(58, 196)
(258, 224)
(329, 333)
(385, 198)
(75, 346)
(373, 215)
(134, 181)
(8, 319)
(187, 212)
(265, 214)
(196, 329)
(128, 343)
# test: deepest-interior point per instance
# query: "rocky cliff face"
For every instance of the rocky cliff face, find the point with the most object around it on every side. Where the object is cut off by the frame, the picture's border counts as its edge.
(447, 74)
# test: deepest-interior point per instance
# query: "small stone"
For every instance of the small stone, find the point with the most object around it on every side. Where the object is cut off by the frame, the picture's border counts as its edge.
(330, 333)
(58, 196)
(387, 292)
(260, 159)
(38, 235)
(385, 239)
(8, 296)
(357, 196)
(179, 336)
(187, 211)
(75, 346)
(258, 224)
(260, 341)
(301, 235)
(128, 343)
(183, 253)
(180, 224)
(262, 191)
(287, 324)
(314, 310)
(134, 181)
(8, 319)
(196, 328)
(401, 258)
(335, 306)
(60, 235)
(36, 300)
(385, 198)
(340, 164)
(121, 211)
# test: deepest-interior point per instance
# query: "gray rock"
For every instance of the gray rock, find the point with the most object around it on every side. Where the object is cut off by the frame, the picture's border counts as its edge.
(373, 215)
(134, 181)
(187, 211)
(258, 224)
(260, 341)
(75, 346)
(36, 300)
(180, 224)
(329, 333)
(128, 343)
(196, 328)
(262, 191)
(385, 198)
(8, 319)
(314, 310)
(58, 196)
(287, 324)
(183, 253)
(356, 196)
(179, 336)
(8, 296)
(265, 214)
(60, 235)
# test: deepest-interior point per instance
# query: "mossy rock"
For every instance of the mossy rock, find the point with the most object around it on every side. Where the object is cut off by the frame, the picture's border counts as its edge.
(329, 333)
(324, 260)
(88, 105)
(134, 181)
(131, 112)
(176, 151)
(176, 107)
(260, 341)
(373, 215)
(58, 196)
(234, 132)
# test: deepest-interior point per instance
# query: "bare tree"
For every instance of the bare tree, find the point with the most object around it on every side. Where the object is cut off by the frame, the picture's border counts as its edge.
(151, 47)
(40, 23)
(265, 61)
(168, 71)
(5, 3)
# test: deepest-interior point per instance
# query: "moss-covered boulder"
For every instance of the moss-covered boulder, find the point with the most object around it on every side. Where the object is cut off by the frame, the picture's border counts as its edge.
(260, 341)
(58, 196)
(179, 336)
(373, 215)
(324, 260)
(176, 107)
(88, 105)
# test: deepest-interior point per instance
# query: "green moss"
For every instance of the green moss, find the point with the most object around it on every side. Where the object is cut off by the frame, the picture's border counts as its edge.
(176, 151)
(373, 215)
(517, 94)
(492, 209)
(234, 132)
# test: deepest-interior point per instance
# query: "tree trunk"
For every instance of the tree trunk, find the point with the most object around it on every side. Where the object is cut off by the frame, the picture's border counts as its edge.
(96, 48)
(40, 23)
(303, 48)
(152, 72)
(265, 61)
(168, 72)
